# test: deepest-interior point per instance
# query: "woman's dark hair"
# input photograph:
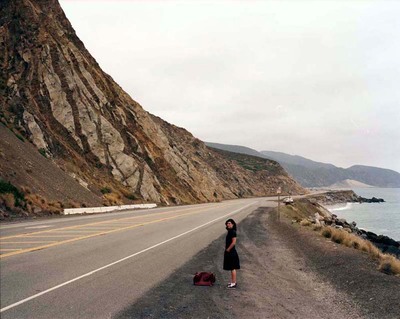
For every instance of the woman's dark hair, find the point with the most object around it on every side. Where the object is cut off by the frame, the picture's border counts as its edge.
(232, 221)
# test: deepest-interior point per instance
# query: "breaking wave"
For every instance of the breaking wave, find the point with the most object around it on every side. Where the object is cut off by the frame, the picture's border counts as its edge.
(335, 208)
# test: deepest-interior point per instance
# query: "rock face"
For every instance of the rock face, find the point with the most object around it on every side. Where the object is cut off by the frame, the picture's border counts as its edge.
(54, 94)
(335, 197)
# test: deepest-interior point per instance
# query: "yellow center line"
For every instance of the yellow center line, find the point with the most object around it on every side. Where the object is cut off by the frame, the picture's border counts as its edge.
(75, 231)
(96, 223)
(97, 234)
(27, 242)
(104, 227)
(48, 236)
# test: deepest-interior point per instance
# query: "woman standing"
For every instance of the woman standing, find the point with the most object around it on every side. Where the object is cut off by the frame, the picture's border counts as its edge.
(231, 258)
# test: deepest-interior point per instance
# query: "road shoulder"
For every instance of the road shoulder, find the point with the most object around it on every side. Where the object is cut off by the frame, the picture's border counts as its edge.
(287, 272)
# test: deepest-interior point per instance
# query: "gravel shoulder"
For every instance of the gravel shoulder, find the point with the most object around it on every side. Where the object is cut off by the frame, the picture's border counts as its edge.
(287, 272)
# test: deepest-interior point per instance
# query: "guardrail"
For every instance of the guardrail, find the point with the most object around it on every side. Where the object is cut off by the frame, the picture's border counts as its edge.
(104, 209)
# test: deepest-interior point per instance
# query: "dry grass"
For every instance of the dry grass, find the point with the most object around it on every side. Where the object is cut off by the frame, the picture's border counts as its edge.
(35, 200)
(72, 204)
(8, 200)
(390, 265)
(339, 236)
(327, 232)
(26, 190)
(23, 202)
(316, 227)
(305, 222)
(387, 263)
(112, 199)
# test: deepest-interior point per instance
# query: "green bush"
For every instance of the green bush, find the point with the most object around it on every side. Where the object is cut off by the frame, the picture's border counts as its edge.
(43, 152)
(105, 190)
(130, 196)
(7, 187)
(19, 137)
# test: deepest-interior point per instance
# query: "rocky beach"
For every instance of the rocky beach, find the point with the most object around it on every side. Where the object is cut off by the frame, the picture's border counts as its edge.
(384, 243)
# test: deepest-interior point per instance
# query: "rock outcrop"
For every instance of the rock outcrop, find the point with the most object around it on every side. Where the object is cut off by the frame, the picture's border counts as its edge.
(55, 95)
(342, 196)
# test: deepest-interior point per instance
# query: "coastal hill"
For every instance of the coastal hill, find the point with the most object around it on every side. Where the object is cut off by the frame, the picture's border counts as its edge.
(316, 174)
(55, 96)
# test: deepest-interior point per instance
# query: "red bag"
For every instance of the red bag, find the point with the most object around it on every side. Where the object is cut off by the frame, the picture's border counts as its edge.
(203, 279)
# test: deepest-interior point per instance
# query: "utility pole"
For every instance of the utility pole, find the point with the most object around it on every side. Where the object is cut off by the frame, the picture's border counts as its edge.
(278, 191)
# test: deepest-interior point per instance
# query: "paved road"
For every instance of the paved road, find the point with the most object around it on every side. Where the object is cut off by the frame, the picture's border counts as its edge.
(96, 266)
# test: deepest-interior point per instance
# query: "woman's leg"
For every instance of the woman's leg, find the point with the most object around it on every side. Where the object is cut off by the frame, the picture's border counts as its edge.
(233, 275)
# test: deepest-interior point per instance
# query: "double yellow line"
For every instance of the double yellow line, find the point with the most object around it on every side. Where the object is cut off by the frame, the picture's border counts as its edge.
(18, 251)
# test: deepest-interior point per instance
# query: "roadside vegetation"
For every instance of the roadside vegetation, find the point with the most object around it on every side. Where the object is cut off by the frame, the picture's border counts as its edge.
(388, 264)
(15, 202)
(251, 163)
(22, 202)
(300, 212)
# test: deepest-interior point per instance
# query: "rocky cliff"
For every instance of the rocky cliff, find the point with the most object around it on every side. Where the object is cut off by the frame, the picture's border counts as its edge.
(55, 95)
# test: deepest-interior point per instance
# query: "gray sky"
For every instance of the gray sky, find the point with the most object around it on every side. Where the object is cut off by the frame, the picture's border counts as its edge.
(319, 79)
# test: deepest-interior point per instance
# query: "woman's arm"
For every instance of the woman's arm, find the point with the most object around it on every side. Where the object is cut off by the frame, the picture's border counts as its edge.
(233, 243)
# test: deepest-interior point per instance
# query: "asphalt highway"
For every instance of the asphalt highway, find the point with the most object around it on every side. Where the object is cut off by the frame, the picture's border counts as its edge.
(96, 266)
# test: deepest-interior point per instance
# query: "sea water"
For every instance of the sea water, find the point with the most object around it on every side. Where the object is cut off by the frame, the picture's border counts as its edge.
(380, 218)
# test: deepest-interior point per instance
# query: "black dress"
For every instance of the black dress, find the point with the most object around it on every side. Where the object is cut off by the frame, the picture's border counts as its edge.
(231, 259)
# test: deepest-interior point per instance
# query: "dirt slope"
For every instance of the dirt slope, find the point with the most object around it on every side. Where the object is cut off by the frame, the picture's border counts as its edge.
(23, 165)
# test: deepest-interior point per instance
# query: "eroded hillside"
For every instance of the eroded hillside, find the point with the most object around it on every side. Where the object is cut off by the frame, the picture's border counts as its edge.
(55, 95)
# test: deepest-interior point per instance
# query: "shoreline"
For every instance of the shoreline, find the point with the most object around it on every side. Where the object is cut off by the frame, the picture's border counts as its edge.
(347, 207)
(384, 243)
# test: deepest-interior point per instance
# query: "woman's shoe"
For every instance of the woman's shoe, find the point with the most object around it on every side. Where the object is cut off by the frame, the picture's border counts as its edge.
(232, 285)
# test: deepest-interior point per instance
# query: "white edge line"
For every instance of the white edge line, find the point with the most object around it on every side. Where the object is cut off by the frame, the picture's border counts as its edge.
(116, 262)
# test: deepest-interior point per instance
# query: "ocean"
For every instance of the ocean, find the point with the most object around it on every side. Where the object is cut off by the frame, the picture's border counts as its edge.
(380, 218)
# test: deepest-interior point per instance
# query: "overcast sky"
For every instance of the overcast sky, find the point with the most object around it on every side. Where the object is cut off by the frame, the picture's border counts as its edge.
(319, 79)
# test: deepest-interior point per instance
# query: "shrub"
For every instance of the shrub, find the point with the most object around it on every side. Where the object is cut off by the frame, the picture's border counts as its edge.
(373, 250)
(8, 188)
(42, 151)
(55, 204)
(327, 232)
(130, 196)
(337, 239)
(105, 190)
(8, 200)
(389, 265)
(112, 199)
(71, 204)
(34, 200)
(352, 241)
(19, 137)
